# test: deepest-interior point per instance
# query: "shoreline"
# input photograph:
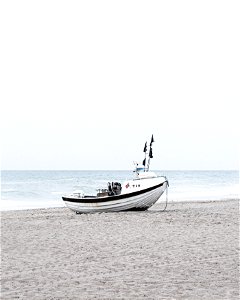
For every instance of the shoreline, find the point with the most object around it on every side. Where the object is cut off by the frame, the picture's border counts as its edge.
(189, 251)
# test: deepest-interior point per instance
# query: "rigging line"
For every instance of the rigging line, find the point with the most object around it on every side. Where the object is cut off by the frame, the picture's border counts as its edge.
(166, 203)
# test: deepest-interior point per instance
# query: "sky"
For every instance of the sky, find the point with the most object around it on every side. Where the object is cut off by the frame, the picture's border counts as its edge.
(84, 84)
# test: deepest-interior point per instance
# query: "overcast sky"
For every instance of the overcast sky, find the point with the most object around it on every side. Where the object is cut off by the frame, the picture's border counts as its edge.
(85, 83)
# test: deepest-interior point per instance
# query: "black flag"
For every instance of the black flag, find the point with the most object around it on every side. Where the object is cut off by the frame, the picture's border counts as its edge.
(152, 140)
(150, 153)
(145, 147)
(144, 162)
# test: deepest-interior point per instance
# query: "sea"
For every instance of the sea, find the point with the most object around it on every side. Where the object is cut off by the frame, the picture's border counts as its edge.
(43, 189)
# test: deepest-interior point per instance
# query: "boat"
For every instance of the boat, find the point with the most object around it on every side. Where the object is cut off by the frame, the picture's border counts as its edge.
(136, 194)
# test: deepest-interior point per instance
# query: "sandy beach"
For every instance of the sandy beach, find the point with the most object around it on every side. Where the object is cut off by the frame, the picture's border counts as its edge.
(189, 251)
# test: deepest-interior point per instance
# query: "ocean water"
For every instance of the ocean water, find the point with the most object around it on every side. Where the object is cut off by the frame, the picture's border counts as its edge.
(42, 189)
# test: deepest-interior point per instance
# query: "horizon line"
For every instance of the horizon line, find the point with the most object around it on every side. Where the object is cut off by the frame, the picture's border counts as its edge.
(84, 170)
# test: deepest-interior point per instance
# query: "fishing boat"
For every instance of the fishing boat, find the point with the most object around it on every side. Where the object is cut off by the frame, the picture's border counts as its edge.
(136, 194)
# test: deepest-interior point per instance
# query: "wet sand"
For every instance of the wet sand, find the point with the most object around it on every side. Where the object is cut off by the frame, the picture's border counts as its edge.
(189, 251)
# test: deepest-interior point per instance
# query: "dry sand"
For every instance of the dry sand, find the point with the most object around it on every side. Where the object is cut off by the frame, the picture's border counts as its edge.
(189, 251)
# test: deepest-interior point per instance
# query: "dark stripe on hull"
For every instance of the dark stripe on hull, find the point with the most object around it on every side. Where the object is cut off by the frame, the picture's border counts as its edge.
(112, 198)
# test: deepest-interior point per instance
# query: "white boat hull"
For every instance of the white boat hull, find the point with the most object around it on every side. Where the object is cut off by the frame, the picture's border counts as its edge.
(139, 200)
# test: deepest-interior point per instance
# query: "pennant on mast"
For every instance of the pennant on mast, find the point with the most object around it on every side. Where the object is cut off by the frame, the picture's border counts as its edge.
(150, 153)
(152, 141)
(145, 147)
(144, 162)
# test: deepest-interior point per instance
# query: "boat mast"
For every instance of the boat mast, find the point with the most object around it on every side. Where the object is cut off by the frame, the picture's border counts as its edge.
(144, 161)
(150, 153)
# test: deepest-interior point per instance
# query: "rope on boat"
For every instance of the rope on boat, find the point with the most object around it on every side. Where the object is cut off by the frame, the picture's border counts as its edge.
(166, 203)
